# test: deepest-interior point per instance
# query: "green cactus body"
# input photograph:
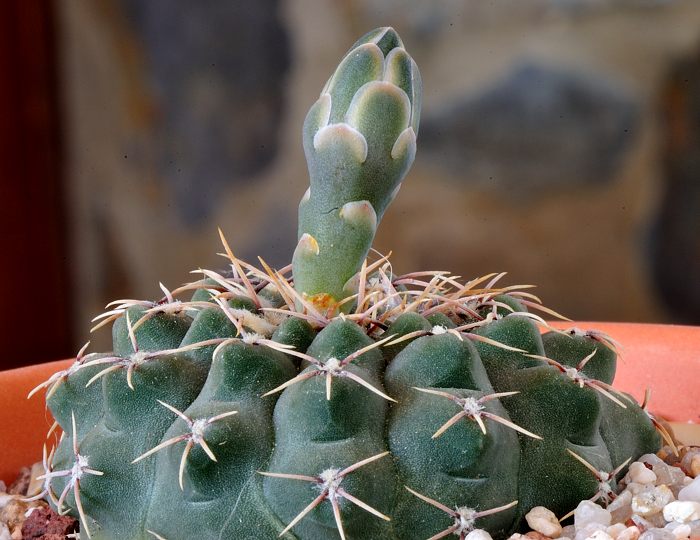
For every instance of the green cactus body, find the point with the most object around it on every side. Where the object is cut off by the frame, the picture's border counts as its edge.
(349, 402)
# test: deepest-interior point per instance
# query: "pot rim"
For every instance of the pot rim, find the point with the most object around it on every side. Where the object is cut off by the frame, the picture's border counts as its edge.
(674, 397)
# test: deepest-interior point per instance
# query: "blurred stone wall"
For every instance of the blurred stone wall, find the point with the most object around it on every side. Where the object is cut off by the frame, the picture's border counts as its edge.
(546, 147)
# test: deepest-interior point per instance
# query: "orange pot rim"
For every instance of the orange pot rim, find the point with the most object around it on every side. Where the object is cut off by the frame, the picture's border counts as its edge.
(664, 358)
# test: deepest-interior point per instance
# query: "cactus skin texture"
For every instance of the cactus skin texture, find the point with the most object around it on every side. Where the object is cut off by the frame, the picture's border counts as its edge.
(262, 407)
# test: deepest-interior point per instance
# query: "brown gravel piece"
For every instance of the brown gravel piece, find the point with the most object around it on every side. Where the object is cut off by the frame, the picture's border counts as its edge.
(12, 511)
(45, 524)
(537, 536)
(21, 483)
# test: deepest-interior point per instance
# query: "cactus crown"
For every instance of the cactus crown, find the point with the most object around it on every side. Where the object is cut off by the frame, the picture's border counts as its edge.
(345, 401)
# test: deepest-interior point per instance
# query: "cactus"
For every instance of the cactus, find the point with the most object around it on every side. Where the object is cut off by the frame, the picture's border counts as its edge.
(344, 400)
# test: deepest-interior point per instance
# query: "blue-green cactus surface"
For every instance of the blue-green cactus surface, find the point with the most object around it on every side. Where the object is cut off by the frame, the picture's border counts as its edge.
(344, 400)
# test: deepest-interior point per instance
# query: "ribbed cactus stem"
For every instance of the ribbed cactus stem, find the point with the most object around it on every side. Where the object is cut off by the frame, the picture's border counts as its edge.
(359, 141)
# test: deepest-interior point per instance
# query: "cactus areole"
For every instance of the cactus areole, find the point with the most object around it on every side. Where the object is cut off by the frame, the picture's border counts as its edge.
(341, 400)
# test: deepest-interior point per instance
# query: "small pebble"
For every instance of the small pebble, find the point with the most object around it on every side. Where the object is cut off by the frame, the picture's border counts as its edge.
(695, 466)
(568, 531)
(652, 501)
(677, 477)
(657, 520)
(665, 474)
(682, 511)
(534, 535)
(640, 474)
(544, 521)
(654, 461)
(620, 508)
(691, 492)
(588, 530)
(657, 534)
(679, 530)
(691, 462)
(630, 533)
(588, 512)
(623, 499)
(642, 523)
(636, 487)
(19, 486)
(44, 522)
(600, 535)
(615, 529)
(695, 528)
(478, 534)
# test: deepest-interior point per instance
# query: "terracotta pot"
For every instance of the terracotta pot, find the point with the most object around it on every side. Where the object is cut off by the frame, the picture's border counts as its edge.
(661, 357)
(23, 423)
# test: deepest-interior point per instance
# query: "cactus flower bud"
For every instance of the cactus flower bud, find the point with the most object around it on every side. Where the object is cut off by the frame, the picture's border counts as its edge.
(360, 141)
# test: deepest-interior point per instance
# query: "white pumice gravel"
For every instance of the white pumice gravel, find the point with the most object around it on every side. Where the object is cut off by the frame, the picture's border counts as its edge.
(658, 499)
(679, 530)
(478, 534)
(600, 535)
(543, 520)
(638, 472)
(690, 492)
(630, 533)
(652, 500)
(682, 511)
(615, 529)
(588, 512)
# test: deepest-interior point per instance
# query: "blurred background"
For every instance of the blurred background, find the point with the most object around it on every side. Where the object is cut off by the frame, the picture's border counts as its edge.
(560, 141)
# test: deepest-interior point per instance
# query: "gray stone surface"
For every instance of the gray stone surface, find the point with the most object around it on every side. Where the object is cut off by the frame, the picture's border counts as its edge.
(539, 127)
(675, 242)
(217, 70)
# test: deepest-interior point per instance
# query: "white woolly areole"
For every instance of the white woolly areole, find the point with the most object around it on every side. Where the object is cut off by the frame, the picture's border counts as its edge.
(78, 468)
(137, 358)
(472, 406)
(438, 330)
(332, 365)
(330, 481)
(573, 373)
(198, 427)
(465, 519)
